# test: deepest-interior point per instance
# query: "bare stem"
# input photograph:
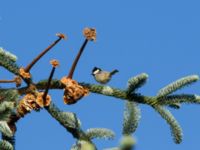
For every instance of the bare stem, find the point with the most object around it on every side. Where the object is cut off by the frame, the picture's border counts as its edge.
(48, 85)
(77, 59)
(27, 69)
(7, 81)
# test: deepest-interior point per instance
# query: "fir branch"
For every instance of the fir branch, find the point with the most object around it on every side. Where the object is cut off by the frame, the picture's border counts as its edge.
(9, 65)
(7, 60)
(9, 94)
(174, 125)
(99, 89)
(175, 106)
(6, 106)
(71, 120)
(136, 82)
(177, 85)
(5, 145)
(100, 133)
(72, 127)
(10, 141)
(5, 115)
(131, 118)
(177, 99)
(8, 55)
(55, 84)
(4, 129)
(121, 94)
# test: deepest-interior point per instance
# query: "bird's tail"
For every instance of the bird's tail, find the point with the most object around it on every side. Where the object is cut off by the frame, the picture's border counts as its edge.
(114, 71)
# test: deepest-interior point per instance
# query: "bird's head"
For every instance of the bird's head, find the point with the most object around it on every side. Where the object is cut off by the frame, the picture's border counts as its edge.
(95, 71)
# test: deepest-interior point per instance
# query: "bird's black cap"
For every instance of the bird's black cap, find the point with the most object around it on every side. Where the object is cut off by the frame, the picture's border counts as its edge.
(95, 69)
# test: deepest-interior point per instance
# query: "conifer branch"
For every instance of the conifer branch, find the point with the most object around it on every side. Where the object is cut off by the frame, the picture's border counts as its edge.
(5, 116)
(175, 106)
(136, 82)
(174, 125)
(11, 109)
(9, 94)
(7, 60)
(5, 105)
(8, 55)
(8, 100)
(71, 125)
(122, 94)
(102, 133)
(4, 129)
(177, 99)
(177, 85)
(9, 65)
(5, 145)
(131, 118)
(9, 142)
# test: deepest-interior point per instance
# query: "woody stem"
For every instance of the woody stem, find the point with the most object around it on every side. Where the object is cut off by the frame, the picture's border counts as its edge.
(48, 84)
(28, 68)
(7, 81)
(77, 59)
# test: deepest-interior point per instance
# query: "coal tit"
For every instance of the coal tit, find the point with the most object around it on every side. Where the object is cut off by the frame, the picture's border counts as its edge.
(101, 76)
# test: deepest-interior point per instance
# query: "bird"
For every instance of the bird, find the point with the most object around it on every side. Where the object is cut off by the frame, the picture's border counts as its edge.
(102, 76)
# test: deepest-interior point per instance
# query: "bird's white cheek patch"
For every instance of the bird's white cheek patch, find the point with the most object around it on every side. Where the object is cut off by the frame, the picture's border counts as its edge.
(96, 71)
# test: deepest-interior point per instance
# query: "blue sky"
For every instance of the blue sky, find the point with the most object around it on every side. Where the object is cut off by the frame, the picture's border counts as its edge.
(160, 38)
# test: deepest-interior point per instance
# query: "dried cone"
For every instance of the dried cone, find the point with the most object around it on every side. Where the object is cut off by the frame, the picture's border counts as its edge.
(90, 34)
(24, 74)
(61, 35)
(54, 63)
(73, 91)
(27, 104)
(40, 101)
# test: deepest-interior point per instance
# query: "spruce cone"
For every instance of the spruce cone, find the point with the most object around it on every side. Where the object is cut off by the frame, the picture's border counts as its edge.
(41, 102)
(73, 91)
(24, 74)
(27, 104)
(90, 34)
